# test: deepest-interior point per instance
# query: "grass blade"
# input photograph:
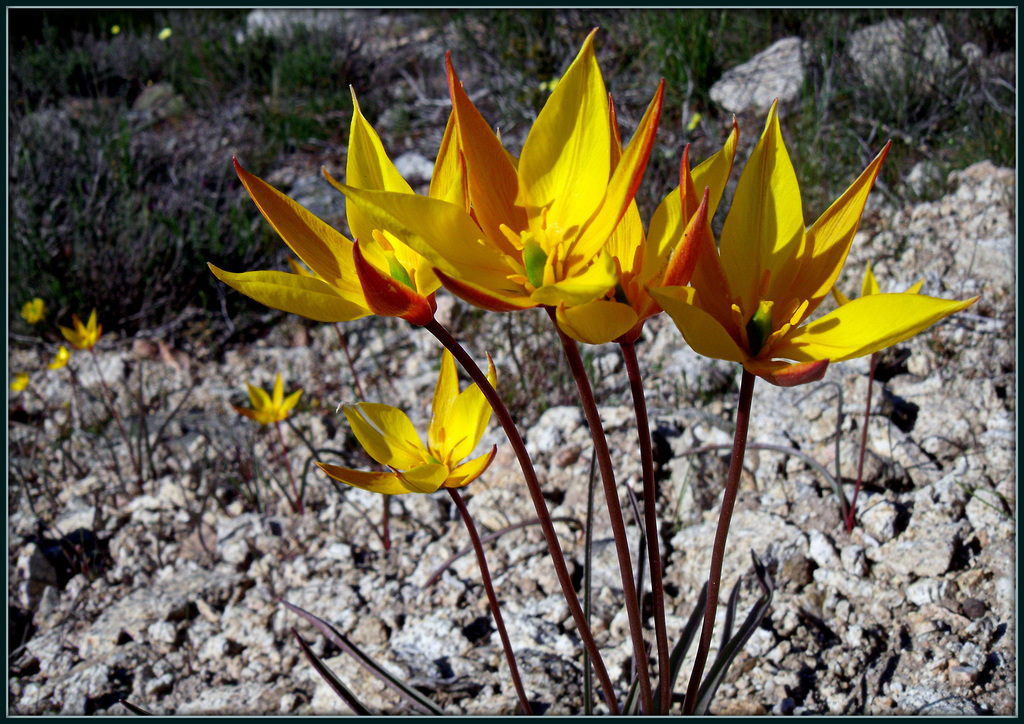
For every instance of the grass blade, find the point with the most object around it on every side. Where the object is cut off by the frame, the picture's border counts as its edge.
(414, 697)
(332, 679)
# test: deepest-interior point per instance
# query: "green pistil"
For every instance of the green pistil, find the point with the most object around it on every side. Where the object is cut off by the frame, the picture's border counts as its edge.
(398, 272)
(534, 259)
(759, 328)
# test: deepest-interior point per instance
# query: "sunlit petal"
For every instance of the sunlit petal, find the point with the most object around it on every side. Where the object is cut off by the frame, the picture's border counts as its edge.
(386, 433)
(384, 483)
(368, 167)
(704, 333)
(425, 478)
(563, 166)
(764, 231)
(303, 295)
(866, 325)
(597, 322)
(598, 279)
(445, 393)
(470, 470)
(468, 416)
(323, 249)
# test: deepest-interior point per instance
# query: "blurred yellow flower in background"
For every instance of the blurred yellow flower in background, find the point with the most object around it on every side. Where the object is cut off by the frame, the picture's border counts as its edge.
(267, 409)
(34, 311)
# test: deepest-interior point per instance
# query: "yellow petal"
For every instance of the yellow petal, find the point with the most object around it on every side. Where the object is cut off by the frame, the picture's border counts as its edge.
(440, 231)
(866, 325)
(321, 248)
(840, 298)
(384, 483)
(425, 478)
(259, 398)
(260, 416)
(764, 231)
(278, 396)
(624, 181)
(368, 167)
(713, 173)
(509, 298)
(870, 284)
(598, 279)
(597, 322)
(564, 166)
(303, 295)
(491, 175)
(705, 334)
(470, 470)
(829, 238)
(386, 434)
(289, 402)
(445, 393)
(467, 419)
(449, 182)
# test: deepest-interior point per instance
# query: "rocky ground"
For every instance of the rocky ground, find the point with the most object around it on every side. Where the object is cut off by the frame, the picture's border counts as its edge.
(165, 592)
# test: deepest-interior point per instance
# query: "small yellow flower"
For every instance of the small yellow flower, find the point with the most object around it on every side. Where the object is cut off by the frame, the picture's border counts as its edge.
(267, 409)
(83, 336)
(20, 381)
(34, 311)
(164, 34)
(457, 422)
(115, 29)
(60, 359)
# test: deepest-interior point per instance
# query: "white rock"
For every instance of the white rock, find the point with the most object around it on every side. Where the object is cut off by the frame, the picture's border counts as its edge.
(777, 72)
(886, 53)
(926, 590)
(821, 550)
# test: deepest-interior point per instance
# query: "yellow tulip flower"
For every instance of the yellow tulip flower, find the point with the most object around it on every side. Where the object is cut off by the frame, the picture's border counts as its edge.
(60, 359)
(268, 409)
(378, 274)
(458, 421)
(665, 256)
(34, 311)
(20, 382)
(538, 227)
(748, 299)
(83, 336)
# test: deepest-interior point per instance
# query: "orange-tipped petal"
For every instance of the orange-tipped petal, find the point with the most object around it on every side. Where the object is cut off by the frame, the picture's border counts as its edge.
(389, 297)
(684, 258)
(492, 179)
(470, 470)
(788, 374)
(322, 248)
(383, 483)
(484, 298)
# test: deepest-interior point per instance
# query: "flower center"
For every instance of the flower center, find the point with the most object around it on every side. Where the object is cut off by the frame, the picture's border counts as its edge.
(759, 327)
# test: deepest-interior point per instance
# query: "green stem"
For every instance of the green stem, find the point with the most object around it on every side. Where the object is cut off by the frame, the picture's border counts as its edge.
(732, 485)
(533, 485)
(863, 445)
(492, 599)
(643, 431)
(611, 496)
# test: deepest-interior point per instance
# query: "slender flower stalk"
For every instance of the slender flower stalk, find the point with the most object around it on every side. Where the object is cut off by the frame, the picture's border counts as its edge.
(732, 485)
(296, 497)
(643, 432)
(492, 599)
(863, 445)
(533, 485)
(611, 494)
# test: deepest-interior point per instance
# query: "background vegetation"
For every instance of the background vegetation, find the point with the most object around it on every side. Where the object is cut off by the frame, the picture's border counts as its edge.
(119, 193)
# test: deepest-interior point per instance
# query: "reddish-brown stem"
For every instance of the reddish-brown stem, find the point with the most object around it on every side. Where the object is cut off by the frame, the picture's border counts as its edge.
(533, 485)
(732, 485)
(385, 524)
(351, 362)
(643, 431)
(611, 496)
(863, 445)
(492, 599)
(291, 478)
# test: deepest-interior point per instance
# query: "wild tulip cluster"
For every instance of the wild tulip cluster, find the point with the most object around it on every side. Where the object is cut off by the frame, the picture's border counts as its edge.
(558, 228)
